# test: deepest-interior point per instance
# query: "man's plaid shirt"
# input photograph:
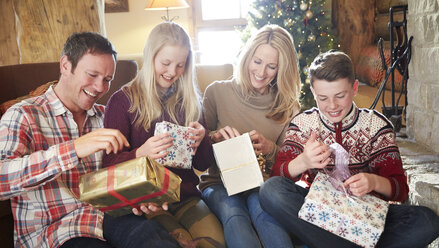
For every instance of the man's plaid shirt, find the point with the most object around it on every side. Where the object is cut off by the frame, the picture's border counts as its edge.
(39, 171)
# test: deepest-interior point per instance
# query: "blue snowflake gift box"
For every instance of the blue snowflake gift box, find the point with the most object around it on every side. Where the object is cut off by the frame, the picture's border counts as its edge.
(180, 154)
(357, 219)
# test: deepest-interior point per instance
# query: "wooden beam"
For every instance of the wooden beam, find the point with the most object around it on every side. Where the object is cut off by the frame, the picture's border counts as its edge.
(42, 26)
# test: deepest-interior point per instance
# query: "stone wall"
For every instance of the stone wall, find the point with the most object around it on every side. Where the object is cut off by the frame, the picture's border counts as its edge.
(423, 84)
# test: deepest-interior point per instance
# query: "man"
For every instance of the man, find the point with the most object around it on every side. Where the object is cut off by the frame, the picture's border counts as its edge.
(48, 141)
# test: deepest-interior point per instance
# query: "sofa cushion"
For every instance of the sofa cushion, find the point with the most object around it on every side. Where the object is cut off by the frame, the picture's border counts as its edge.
(36, 92)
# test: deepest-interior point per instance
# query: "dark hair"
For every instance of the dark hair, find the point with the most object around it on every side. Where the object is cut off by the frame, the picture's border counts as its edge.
(330, 66)
(78, 44)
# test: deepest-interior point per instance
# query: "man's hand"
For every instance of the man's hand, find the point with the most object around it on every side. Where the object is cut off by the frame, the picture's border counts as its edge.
(148, 208)
(155, 147)
(110, 140)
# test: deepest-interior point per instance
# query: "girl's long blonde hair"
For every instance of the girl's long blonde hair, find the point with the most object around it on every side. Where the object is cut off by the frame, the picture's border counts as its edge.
(287, 81)
(143, 92)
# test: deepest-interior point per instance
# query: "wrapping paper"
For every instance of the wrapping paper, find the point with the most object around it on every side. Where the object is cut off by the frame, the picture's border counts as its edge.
(180, 154)
(238, 164)
(358, 219)
(119, 188)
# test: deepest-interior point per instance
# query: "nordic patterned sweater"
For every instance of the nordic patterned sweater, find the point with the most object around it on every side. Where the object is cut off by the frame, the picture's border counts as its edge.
(366, 134)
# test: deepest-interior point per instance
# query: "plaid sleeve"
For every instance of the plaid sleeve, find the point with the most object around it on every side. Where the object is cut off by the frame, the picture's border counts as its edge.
(26, 161)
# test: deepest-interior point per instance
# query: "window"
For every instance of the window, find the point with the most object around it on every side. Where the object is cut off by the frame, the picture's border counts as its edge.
(217, 39)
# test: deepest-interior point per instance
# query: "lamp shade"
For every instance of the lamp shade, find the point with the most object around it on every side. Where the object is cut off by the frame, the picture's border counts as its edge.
(166, 4)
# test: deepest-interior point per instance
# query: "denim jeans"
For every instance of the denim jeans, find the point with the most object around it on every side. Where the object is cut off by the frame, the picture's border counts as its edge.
(238, 212)
(406, 226)
(128, 231)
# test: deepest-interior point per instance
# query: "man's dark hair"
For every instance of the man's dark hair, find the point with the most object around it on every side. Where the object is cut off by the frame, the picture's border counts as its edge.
(330, 66)
(78, 44)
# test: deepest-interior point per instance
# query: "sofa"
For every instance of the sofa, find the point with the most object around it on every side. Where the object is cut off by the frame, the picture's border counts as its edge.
(26, 80)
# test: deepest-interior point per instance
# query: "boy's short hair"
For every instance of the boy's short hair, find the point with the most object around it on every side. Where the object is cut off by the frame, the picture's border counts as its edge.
(78, 44)
(330, 66)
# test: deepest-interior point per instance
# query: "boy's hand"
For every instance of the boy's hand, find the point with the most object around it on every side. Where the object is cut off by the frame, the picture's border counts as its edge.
(361, 183)
(154, 145)
(315, 154)
(148, 208)
(225, 133)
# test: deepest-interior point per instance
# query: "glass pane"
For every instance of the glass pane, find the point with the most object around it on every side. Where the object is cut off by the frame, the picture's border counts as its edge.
(218, 47)
(220, 9)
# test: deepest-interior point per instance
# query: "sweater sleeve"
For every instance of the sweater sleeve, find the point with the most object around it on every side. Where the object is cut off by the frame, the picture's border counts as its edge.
(291, 148)
(209, 105)
(385, 161)
(117, 117)
(204, 156)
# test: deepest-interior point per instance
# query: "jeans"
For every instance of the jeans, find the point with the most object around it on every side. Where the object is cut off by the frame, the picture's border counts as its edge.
(238, 212)
(406, 226)
(128, 231)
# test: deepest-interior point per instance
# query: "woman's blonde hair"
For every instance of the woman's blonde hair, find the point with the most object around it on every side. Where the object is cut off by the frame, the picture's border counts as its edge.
(143, 92)
(286, 84)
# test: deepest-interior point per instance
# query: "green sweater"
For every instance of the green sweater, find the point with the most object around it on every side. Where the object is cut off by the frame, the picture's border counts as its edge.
(225, 105)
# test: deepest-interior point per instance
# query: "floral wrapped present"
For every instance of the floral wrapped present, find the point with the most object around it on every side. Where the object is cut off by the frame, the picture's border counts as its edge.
(119, 188)
(180, 154)
(357, 219)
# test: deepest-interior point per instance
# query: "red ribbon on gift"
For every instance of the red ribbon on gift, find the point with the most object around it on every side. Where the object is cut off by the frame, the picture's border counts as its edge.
(124, 201)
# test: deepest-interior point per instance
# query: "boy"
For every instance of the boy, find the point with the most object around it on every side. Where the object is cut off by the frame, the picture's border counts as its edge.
(374, 163)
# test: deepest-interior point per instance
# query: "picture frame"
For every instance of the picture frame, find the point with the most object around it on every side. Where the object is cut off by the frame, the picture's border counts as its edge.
(113, 6)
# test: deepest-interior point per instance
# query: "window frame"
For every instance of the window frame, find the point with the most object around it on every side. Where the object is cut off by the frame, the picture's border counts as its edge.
(212, 25)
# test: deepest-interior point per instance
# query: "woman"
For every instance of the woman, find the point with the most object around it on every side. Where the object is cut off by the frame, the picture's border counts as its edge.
(165, 90)
(261, 99)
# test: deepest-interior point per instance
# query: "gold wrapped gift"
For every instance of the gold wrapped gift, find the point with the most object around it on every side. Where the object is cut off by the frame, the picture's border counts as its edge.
(119, 188)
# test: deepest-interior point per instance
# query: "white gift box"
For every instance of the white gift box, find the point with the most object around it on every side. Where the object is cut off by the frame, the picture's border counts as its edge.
(180, 154)
(238, 164)
(358, 219)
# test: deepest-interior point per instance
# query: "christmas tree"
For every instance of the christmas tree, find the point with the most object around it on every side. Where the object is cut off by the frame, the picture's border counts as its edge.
(308, 23)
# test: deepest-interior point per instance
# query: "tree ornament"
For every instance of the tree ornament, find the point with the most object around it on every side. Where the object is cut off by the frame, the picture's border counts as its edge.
(311, 37)
(305, 21)
(303, 6)
(299, 54)
(305, 70)
(308, 14)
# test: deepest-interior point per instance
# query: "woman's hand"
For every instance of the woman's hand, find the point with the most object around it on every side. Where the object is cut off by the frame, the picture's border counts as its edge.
(155, 147)
(198, 134)
(225, 133)
(260, 143)
(148, 208)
